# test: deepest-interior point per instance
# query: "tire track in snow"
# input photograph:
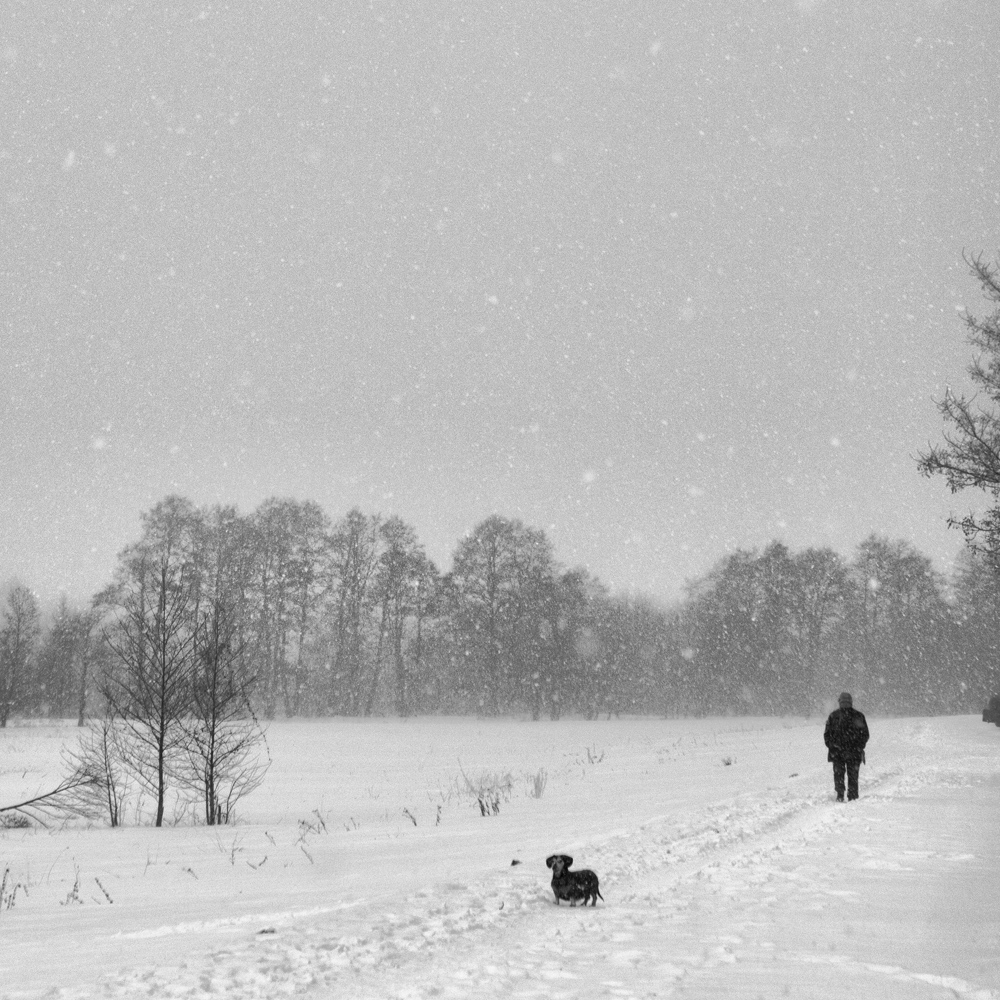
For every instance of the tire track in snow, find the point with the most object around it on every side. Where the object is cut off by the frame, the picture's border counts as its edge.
(953, 984)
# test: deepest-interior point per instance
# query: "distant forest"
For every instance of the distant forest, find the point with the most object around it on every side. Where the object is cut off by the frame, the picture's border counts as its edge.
(310, 617)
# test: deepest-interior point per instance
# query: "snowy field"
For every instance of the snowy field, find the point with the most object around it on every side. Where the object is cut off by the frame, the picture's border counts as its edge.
(363, 867)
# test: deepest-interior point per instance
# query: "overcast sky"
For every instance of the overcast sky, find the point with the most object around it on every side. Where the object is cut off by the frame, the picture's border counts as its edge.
(663, 278)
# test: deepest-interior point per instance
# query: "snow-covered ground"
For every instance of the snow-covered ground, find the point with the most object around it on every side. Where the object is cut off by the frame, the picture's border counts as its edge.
(364, 868)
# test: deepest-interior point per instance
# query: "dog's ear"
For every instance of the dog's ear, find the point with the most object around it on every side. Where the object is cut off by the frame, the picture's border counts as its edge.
(567, 861)
(550, 860)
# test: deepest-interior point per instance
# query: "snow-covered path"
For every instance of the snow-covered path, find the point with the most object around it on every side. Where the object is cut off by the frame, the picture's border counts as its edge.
(885, 901)
(739, 879)
(895, 896)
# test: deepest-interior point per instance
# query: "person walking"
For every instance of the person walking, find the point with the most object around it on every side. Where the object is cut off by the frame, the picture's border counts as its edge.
(845, 737)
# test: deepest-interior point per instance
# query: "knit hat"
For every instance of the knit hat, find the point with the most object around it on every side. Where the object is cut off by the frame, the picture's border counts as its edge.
(845, 698)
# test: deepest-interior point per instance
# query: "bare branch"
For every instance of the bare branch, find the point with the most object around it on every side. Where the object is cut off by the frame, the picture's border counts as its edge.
(970, 454)
(59, 804)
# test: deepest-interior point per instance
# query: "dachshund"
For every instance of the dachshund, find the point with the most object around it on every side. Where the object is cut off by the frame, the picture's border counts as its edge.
(572, 886)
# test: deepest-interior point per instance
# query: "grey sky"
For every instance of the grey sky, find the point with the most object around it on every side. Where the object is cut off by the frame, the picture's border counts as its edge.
(661, 278)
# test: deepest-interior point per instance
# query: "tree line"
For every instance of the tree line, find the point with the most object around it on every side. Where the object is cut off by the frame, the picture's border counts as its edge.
(214, 616)
(323, 618)
(282, 612)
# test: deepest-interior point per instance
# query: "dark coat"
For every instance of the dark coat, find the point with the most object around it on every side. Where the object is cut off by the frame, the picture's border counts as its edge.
(845, 735)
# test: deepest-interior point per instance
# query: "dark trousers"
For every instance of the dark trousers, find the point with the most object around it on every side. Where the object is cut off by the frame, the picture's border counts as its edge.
(852, 767)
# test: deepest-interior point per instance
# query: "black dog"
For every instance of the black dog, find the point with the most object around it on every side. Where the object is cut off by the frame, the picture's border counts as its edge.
(572, 886)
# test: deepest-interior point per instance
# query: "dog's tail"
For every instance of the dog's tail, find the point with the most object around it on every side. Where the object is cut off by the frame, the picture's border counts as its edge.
(598, 891)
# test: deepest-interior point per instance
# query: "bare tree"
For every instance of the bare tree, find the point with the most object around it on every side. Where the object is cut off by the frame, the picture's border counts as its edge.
(148, 686)
(88, 650)
(573, 628)
(403, 578)
(738, 623)
(290, 544)
(223, 736)
(500, 571)
(818, 594)
(355, 555)
(18, 637)
(309, 585)
(55, 685)
(895, 612)
(65, 660)
(271, 545)
(977, 614)
(177, 689)
(99, 761)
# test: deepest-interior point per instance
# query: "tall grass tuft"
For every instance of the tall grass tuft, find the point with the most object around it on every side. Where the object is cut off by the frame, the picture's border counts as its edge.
(489, 790)
(538, 781)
